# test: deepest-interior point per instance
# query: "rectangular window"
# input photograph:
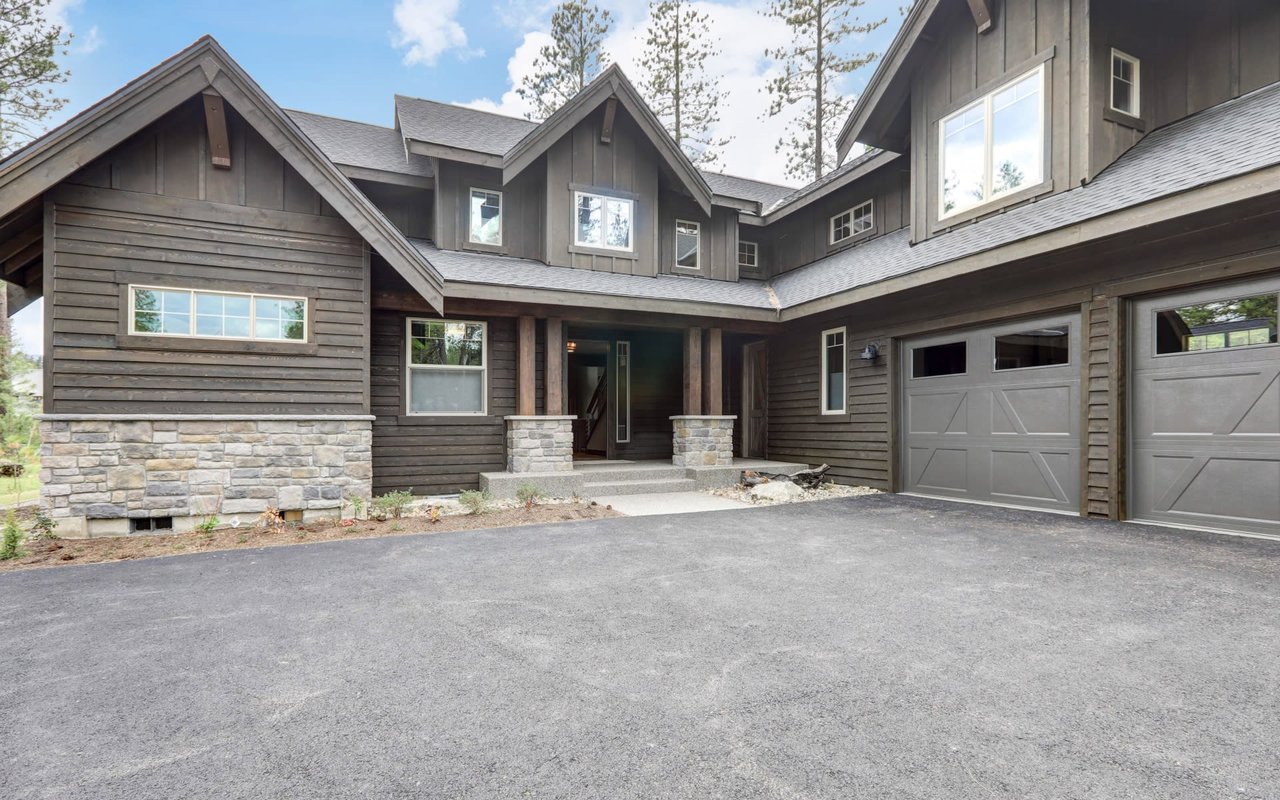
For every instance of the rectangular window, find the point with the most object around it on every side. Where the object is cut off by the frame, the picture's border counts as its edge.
(1043, 347)
(1126, 87)
(156, 311)
(748, 255)
(1219, 325)
(993, 146)
(687, 236)
(833, 370)
(602, 221)
(623, 353)
(939, 359)
(486, 217)
(446, 366)
(851, 223)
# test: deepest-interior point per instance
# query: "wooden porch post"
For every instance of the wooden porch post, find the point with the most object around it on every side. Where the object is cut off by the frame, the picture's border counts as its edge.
(715, 373)
(553, 371)
(693, 371)
(526, 384)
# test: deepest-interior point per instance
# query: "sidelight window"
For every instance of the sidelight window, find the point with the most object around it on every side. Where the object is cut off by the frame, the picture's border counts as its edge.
(834, 386)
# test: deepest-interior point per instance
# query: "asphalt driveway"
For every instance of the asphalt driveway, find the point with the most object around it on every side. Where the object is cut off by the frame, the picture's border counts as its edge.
(877, 647)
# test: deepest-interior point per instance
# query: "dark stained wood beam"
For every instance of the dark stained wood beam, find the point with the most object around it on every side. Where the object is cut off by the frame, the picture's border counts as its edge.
(526, 380)
(553, 372)
(20, 242)
(715, 373)
(981, 10)
(693, 371)
(215, 118)
(19, 260)
(610, 114)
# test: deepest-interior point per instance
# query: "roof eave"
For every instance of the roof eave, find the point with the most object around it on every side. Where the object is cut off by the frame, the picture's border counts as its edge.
(871, 165)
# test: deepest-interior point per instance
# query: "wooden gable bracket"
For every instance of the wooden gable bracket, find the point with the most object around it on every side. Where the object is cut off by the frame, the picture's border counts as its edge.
(981, 10)
(610, 112)
(215, 117)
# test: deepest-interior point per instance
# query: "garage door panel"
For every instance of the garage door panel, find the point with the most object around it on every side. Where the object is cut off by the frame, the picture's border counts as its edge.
(1027, 476)
(1217, 402)
(942, 412)
(940, 469)
(1222, 492)
(1036, 410)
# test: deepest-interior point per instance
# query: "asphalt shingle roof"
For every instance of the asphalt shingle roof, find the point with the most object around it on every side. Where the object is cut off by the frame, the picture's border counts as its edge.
(813, 186)
(1222, 142)
(359, 144)
(460, 127)
(470, 267)
(766, 194)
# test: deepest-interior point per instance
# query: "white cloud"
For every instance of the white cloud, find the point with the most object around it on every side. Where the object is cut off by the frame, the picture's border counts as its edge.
(519, 65)
(90, 41)
(59, 12)
(428, 28)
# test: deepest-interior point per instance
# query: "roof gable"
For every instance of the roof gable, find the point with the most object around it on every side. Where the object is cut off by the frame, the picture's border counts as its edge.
(200, 67)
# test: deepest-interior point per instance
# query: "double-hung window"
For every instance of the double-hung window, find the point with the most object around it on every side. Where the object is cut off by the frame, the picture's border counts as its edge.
(994, 146)
(688, 235)
(1126, 74)
(446, 366)
(160, 311)
(602, 221)
(748, 255)
(833, 371)
(486, 217)
(851, 223)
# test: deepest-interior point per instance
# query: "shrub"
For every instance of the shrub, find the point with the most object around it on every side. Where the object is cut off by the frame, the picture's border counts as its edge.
(392, 504)
(530, 495)
(271, 519)
(208, 525)
(43, 528)
(357, 506)
(477, 502)
(11, 539)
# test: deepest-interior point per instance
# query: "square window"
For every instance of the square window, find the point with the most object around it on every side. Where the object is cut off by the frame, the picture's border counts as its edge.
(601, 221)
(748, 255)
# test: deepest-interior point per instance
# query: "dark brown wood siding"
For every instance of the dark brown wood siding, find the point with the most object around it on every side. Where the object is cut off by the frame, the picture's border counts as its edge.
(153, 211)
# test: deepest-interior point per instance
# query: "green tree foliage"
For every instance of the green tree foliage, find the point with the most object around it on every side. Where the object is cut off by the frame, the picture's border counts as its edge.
(11, 538)
(812, 65)
(575, 56)
(29, 46)
(674, 78)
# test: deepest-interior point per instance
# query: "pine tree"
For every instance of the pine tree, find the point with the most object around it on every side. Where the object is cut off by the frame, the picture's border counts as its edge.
(813, 64)
(575, 56)
(674, 79)
(29, 46)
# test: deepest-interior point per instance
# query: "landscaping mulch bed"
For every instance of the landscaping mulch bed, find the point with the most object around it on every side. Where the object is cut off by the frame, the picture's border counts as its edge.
(61, 552)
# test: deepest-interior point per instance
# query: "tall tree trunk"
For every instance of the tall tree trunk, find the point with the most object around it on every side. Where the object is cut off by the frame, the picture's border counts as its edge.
(679, 132)
(818, 95)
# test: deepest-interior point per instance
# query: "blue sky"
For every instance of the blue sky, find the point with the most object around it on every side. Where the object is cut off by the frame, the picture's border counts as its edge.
(348, 59)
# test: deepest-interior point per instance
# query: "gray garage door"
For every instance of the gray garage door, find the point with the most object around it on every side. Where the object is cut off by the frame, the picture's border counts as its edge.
(994, 414)
(1205, 411)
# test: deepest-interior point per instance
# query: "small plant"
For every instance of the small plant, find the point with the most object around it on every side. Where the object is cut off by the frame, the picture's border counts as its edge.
(434, 514)
(271, 520)
(208, 525)
(530, 495)
(11, 539)
(477, 502)
(357, 506)
(392, 504)
(43, 528)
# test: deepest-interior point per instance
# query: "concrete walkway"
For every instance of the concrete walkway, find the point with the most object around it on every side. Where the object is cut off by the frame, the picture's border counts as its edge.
(644, 505)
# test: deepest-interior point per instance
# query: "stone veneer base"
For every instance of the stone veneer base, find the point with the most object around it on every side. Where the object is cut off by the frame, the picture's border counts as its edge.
(702, 441)
(539, 444)
(101, 470)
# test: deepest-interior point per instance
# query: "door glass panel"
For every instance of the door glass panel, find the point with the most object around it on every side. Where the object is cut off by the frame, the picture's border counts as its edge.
(1042, 347)
(1217, 325)
(938, 359)
(624, 392)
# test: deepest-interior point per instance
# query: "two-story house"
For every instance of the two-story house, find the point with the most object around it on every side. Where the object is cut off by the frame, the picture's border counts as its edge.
(1048, 278)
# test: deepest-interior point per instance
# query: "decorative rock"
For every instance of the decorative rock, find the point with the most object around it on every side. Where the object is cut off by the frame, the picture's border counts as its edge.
(779, 491)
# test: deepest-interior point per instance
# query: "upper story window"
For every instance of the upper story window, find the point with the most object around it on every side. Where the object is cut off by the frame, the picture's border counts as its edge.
(158, 311)
(1126, 73)
(832, 358)
(748, 255)
(994, 146)
(446, 366)
(849, 224)
(687, 241)
(602, 221)
(486, 217)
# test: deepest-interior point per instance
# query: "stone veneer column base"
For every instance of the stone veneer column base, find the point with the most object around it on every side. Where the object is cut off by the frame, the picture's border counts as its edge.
(100, 470)
(702, 441)
(539, 444)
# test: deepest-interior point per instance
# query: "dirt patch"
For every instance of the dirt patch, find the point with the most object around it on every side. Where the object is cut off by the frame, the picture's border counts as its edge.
(61, 552)
(827, 491)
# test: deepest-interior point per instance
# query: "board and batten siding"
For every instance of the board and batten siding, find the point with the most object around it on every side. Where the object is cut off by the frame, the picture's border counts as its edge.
(153, 211)
(717, 234)
(522, 208)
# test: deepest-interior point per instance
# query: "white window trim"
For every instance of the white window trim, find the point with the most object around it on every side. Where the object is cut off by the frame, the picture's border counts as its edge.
(697, 253)
(253, 314)
(604, 221)
(988, 178)
(1137, 83)
(755, 254)
(501, 208)
(822, 372)
(852, 212)
(483, 369)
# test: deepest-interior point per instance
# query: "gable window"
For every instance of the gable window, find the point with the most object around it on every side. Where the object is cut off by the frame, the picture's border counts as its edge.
(687, 236)
(602, 221)
(851, 223)
(833, 363)
(486, 217)
(993, 146)
(446, 366)
(158, 311)
(1125, 83)
(748, 255)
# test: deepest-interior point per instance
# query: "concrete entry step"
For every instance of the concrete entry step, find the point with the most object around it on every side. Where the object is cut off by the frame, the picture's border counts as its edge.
(601, 488)
(613, 478)
(619, 471)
